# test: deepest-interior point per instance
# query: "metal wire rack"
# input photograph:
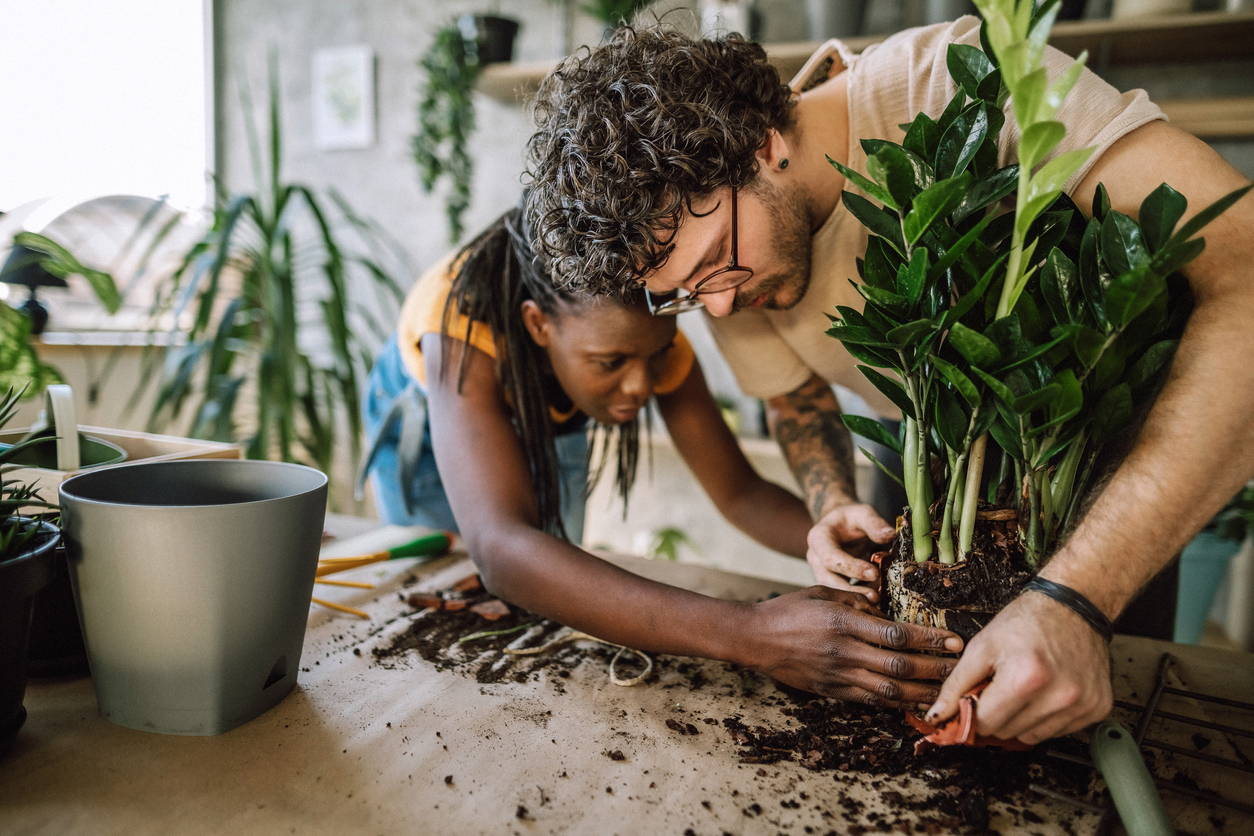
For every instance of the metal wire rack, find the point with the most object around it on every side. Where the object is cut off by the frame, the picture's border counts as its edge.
(1148, 713)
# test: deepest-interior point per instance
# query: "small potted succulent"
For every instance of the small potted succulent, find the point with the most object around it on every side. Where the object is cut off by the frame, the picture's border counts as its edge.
(28, 543)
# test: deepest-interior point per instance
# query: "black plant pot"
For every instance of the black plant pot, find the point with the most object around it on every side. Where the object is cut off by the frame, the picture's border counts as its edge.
(56, 638)
(494, 36)
(21, 578)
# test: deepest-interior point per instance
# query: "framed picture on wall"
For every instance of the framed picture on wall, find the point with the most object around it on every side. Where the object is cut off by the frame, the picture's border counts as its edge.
(343, 97)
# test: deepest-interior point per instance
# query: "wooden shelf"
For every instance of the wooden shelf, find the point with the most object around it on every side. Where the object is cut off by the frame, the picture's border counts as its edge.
(1231, 118)
(1191, 37)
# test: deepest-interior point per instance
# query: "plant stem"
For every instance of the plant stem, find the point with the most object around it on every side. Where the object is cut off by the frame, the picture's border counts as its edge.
(914, 461)
(945, 545)
(971, 497)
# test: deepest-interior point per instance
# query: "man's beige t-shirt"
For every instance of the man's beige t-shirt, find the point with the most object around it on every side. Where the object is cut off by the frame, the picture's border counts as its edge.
(774, 352)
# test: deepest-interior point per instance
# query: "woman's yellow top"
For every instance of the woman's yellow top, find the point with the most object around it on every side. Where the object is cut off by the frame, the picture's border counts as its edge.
(423, 313)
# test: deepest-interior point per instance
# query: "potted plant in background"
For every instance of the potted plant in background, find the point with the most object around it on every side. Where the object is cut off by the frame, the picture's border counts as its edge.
(28, 543)
(1035, 328)
(21, 370)
(446, 108)
(1205, 560)
(265, 347)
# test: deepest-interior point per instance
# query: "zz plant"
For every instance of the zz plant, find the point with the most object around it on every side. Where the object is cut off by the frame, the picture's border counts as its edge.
(1041, 329)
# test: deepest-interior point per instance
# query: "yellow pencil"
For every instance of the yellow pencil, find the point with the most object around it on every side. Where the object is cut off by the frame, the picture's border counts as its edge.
(340, 607)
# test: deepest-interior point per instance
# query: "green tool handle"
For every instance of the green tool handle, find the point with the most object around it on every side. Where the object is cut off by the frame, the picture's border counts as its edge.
(1131, 786)
(428, 545)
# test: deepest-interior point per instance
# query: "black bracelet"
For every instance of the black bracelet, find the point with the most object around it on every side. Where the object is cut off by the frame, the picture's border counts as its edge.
(1082, 606)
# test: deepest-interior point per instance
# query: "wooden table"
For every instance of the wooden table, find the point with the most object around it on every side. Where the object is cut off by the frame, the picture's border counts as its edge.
(358, 748)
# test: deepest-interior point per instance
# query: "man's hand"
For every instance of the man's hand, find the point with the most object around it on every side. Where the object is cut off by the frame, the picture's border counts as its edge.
(1050, 673)
(836, 644)
(838, 542)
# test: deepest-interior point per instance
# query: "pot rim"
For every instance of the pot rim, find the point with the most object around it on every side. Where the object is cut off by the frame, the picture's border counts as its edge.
(65, 492)
(37, 552)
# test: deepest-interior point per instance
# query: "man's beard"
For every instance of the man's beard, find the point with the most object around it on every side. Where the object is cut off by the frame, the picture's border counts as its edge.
(789, 277)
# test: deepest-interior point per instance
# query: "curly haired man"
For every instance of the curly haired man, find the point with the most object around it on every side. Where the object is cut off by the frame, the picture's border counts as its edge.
(685, 165)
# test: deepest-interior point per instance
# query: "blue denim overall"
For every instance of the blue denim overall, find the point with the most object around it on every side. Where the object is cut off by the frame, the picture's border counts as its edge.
(401, 463)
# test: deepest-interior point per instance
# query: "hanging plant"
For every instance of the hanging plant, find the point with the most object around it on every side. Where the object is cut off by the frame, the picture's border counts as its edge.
(1037, 328)
(614, 13)
(446, 118)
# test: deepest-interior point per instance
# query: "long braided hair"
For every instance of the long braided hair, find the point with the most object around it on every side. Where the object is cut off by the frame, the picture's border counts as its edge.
(497, 273)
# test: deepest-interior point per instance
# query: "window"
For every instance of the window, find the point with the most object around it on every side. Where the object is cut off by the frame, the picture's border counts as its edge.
(105, 98)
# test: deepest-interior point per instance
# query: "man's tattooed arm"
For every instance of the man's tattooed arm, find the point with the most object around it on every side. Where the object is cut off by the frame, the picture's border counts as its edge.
(806, 424)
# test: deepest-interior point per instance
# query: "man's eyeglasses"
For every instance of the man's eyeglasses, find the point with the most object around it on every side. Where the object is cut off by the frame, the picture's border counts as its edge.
(724, 278)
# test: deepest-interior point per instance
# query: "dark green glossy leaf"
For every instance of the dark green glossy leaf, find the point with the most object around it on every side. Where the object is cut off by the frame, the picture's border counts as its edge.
(961, 140)
(1007, 334)
(952, 110)
(999, 389)
(905, 173)
(1121, 244)
(1113, 412)
(1149, 366)
(991, 89)
(896, 477)
(1195, 224)
(879, 266)
(956, 250)
(1070, 399)
(931, 204)
(1176, 254)
(879, 221)
(858, 335)
(975, 348)
(951, 419)
(922, 136)
(1086, 344)
(988, 190)
(1007, 439)
(958, 379)
(1057, 280)
(1108, 371)
(911, 277)
(887, 299)
(873, 430)
(968, 66)
(890, 388)
(1160, 212)
(1130, 293)
(1101, 202)
(1035, 400)
(872, 188)
(1034, 352)
(969, 299)
(1091, 273)
(911, 332)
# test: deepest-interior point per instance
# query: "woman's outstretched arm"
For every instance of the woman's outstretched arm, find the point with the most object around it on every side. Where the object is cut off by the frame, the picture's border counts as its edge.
(823, 640)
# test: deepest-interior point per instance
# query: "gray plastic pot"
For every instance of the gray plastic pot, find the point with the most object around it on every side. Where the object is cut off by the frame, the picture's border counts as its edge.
(193, 581)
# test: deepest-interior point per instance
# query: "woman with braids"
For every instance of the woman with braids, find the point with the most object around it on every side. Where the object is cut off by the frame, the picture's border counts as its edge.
(479, 411)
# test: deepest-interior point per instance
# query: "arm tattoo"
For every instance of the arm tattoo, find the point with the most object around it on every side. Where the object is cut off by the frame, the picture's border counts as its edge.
(816, 445)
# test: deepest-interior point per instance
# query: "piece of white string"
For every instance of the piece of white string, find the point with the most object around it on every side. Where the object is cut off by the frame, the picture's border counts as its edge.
(575, 635)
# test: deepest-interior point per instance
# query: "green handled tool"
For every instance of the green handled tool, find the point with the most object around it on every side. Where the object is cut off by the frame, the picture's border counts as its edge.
(1131, 786)
(428, 545)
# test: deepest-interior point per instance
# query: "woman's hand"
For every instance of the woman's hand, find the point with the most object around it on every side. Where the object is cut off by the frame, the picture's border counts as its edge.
(836, 644)
(839, 541)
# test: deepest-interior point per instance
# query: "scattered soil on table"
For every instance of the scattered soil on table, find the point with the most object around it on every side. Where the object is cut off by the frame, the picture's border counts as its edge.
(818, 734)
(824, 735)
